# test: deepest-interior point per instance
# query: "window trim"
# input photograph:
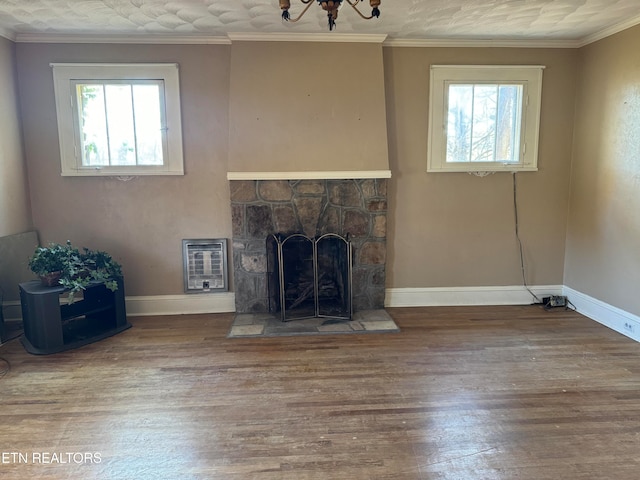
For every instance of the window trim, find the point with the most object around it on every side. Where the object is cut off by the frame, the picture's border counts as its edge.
(67, 75)
(529, 76)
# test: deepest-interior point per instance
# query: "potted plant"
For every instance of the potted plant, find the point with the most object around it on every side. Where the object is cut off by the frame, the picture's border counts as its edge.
(52, 262)
(94, 266)
(65, 265)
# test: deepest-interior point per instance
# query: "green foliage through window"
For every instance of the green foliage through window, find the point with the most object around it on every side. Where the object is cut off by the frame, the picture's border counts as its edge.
(120, 123)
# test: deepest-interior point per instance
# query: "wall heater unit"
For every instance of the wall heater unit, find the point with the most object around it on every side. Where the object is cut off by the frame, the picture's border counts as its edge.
(205, 265)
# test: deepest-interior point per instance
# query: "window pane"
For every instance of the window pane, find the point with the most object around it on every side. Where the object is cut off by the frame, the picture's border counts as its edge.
(148, 122)
(459, 120)
(483, 123)
(108, 114)
(122, 141)
(485, 98)
(93, 124)
(124, 119)
(484, 118)
(508, 123)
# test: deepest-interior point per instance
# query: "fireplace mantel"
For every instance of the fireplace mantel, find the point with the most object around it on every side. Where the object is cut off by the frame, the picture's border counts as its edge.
(328, 175)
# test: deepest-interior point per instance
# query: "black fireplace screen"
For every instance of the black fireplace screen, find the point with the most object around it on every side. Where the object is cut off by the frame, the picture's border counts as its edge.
(309, 277)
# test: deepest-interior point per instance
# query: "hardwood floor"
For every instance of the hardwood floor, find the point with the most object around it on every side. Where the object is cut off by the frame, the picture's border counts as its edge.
(460, 393)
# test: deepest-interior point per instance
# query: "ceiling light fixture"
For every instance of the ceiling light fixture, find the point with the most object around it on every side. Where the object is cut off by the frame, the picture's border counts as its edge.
(331, 7)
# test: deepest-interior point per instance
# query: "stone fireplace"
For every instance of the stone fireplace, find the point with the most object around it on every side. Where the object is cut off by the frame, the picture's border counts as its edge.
(356, 208)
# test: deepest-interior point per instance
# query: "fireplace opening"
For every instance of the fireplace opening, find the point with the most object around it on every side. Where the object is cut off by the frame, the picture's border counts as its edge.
(309, 277)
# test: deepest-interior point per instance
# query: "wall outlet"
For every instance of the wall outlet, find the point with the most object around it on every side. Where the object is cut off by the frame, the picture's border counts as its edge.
(629, 327)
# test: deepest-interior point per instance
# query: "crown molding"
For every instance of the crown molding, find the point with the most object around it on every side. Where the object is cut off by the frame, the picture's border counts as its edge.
(196, 40)
(306, 37)
(612, 30)
(8, 34)
(480, 43)
(315, 37)
(302, 37)
(128, 39)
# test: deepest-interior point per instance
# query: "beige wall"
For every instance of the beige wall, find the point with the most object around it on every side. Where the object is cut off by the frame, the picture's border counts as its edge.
(454, 229)
(603, 241)
(307, 107)
(15, 211)
(143, 221)
(268, 99)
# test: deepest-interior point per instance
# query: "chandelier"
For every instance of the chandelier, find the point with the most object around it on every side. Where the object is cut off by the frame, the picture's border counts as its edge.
(331, 7)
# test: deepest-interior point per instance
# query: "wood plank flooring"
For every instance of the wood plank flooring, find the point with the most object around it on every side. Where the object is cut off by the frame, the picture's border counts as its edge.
(460, 393)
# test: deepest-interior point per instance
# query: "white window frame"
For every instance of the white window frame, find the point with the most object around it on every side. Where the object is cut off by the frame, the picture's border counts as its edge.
(529, 76)
(65, 78)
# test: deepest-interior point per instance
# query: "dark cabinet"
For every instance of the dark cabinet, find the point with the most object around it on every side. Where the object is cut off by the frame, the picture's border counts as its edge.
(52, 326)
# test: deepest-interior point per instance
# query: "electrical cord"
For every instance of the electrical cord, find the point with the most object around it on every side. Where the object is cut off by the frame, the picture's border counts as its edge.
(515, 211)
(12, 338)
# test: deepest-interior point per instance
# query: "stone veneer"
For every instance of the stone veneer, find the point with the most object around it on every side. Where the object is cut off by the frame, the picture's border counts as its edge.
(313, 207)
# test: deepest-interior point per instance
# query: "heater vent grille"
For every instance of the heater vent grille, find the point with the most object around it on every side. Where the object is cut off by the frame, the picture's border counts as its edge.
(205, 265)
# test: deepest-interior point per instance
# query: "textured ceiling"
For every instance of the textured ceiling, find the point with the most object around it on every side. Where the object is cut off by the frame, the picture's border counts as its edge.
(400, 19)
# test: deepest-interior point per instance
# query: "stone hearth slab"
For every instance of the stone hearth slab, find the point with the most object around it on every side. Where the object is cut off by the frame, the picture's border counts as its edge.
(267, 325)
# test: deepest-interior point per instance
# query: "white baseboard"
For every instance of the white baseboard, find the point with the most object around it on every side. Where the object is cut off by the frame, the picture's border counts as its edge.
(158, 305)
(616, 319)
(395, 297)
(451, 296)
(180, 304)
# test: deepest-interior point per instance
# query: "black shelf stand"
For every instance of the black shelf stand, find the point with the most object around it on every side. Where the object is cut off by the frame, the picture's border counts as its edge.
(51, 326)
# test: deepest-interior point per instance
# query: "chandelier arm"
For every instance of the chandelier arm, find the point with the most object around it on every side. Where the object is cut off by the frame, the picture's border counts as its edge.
(309, 3)
(353, 5)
